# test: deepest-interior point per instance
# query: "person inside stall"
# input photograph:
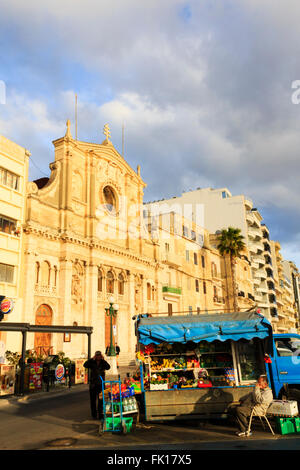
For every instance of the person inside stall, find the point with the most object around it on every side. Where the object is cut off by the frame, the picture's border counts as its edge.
(260, 399)
(97, 366)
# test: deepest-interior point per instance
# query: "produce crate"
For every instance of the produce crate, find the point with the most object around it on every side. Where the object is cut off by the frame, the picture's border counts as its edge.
(297, 423)
(117, 423)
(283, 408)
(285, 425)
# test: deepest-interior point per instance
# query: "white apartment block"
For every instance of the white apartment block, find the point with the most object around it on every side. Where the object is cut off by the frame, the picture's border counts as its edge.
(217, 209)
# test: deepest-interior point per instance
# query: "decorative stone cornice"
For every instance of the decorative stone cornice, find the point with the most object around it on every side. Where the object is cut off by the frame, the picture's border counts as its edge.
(68, 237)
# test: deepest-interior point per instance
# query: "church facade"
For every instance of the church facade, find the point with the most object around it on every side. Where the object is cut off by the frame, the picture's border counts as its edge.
(87, 242)
(83, 243)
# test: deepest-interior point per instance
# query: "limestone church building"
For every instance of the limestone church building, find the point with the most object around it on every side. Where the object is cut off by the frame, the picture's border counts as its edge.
(83, 244)
(86, 238)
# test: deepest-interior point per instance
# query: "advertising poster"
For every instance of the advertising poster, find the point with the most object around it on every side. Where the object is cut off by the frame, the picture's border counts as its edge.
(35, 376)
(60, 374)
(81, 376)
(7, 379)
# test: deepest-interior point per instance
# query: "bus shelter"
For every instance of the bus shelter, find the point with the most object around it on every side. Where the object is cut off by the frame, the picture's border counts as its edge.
(26, 328)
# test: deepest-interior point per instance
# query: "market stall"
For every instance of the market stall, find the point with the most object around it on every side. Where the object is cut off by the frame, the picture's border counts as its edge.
(198, 366)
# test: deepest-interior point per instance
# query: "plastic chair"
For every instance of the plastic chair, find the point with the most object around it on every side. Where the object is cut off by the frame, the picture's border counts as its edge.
(260, 416)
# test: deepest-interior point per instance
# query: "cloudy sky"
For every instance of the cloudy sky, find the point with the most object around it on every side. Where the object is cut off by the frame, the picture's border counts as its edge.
(204, 89)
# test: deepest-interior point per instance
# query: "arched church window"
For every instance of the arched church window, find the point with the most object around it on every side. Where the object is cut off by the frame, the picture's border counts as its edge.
(110, 282)
(45, 273)
(148, 291)
(121, 284)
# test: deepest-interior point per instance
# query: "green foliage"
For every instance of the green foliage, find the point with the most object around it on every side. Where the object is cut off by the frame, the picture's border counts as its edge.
(12, 357)
(61, 359)
(231, 242)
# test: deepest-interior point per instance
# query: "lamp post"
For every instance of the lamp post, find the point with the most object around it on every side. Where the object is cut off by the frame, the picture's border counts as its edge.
(111, 312)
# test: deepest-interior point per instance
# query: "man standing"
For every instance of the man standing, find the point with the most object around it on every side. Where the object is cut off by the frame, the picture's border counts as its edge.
(97, 366)
(259, 400)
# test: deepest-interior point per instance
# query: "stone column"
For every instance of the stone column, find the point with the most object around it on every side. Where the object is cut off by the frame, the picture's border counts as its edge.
(65, 291)
(132, 312)
(28, 314)
(92, 317)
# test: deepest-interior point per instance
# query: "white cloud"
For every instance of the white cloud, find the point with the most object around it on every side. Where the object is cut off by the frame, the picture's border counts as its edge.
(206, 101)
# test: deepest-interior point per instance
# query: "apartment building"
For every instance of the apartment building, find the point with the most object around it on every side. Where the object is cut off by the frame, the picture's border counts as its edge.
(13, 179)
(203, 277)
(287, 317)
(216, 209)
(295, 278)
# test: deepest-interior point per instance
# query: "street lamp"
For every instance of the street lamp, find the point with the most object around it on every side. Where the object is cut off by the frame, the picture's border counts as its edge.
(111, 312)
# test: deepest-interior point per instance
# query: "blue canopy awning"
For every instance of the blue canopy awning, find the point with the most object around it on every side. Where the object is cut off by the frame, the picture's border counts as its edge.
(181, 329)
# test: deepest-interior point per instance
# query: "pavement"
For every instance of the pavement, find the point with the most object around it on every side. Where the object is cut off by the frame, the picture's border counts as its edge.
(41, 395)
(66, 426)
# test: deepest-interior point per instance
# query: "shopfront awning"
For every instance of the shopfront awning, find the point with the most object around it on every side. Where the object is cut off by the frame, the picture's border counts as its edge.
(181, 329)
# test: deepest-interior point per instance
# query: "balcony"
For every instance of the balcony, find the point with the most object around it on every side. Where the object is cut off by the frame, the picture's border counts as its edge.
(249, 217)
(255, 248)
(248, 203)
(264, 304)
(171, 259)
(263, 289)
(172, 290)
(254, 233)
(258, 297)
(260, 274)
(259, 259)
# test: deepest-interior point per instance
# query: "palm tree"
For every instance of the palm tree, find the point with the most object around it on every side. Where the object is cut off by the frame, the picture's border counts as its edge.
(231, 243)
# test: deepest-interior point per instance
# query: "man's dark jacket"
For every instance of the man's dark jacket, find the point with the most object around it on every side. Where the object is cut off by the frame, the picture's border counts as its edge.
(96, 371)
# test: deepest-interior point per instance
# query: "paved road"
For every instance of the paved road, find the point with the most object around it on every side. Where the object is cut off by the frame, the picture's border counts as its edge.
(35, 423)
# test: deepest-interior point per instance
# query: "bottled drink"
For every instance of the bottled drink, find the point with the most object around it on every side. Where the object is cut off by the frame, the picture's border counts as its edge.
(125, 405)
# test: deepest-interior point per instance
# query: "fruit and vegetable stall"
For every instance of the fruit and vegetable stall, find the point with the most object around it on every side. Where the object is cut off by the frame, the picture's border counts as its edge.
(198, 366)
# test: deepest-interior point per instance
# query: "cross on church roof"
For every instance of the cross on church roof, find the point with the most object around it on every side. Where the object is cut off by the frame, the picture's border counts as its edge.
(106, 131)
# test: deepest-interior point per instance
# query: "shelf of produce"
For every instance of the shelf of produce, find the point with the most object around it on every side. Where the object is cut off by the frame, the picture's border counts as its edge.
(173, 354)
(217, 367)
(219, 352)
(173, 370)
(109, 415)
(191, 354)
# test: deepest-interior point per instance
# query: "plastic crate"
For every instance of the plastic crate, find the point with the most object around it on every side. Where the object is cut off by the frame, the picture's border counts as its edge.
(115, 424)
(297, 424)
(286, 425)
